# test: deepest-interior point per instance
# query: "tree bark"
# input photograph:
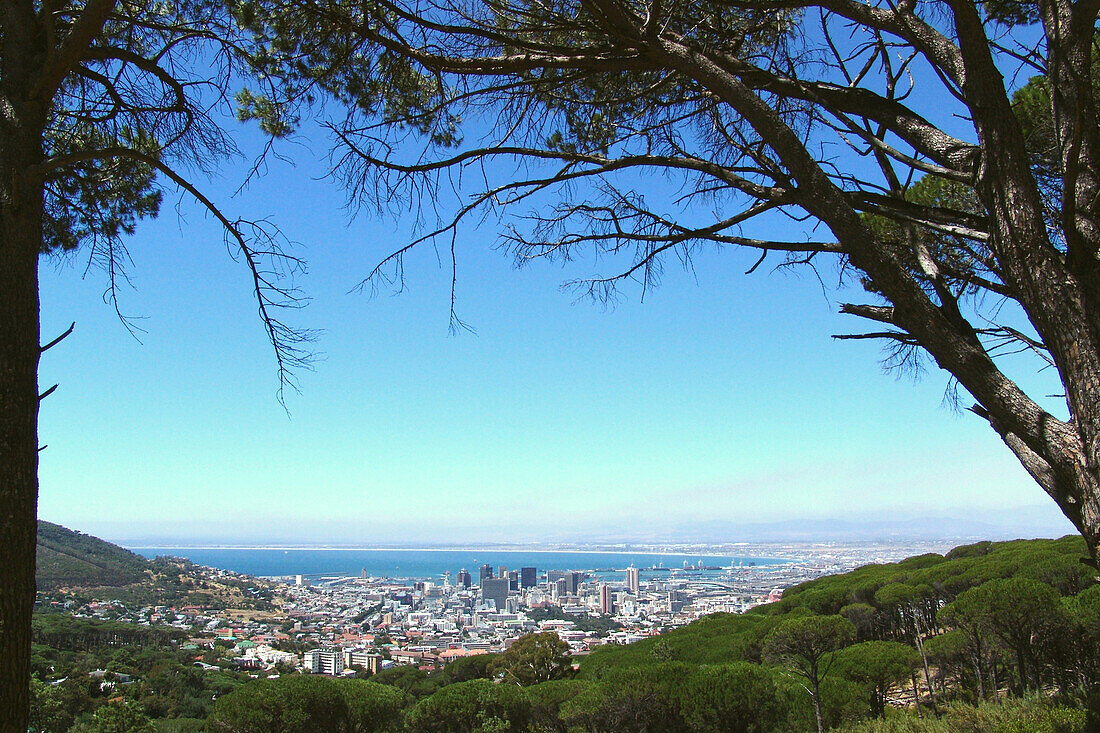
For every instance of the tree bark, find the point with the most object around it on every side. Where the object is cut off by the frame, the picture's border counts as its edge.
(20, 238)
(817, 704)
(22, 118)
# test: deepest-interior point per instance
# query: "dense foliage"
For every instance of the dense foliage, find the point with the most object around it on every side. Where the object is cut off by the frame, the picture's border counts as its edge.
(80, 665)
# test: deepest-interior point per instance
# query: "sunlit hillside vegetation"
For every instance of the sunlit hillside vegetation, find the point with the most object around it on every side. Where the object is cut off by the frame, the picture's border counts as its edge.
(73, 568)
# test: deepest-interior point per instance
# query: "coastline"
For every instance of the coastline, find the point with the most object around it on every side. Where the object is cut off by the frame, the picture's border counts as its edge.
(329, 548)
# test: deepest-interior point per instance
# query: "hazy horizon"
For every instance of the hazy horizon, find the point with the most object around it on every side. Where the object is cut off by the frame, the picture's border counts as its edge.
(1009, 523)
(719, 397)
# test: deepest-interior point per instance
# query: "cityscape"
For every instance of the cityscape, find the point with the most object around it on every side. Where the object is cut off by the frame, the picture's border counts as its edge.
(340, 625)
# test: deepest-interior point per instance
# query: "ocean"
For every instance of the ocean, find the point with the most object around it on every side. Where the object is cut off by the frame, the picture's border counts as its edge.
(408, 564)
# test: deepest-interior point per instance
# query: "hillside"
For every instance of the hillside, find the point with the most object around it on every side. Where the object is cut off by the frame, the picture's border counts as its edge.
(76, 566)
(68, 558)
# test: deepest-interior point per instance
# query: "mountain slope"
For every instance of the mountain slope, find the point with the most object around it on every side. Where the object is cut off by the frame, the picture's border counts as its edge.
(68, 558)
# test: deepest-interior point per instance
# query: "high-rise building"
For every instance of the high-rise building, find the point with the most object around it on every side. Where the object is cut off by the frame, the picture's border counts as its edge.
(513, 579)
(528, 577)
(633, 580)
(464, 578)
(326, 660)
(606, 604)
(572, 579)
(486, 572)
(502, 571)
(496, 590)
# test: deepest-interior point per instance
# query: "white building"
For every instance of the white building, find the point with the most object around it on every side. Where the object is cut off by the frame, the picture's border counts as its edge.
(327, 660)
(633, 580)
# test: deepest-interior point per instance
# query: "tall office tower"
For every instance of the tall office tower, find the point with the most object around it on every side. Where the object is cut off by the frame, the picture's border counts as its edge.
(464, 578)
(513, 579)
(486, 572)
(528, 577)
(572, 579)
(633, 580)
(606, 604)
(495, 589)
(502, 571)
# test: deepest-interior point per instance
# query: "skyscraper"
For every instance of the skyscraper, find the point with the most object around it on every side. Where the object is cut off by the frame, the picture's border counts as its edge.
(495, 589)
(486, 572)
(464, 578)
(633, 580)
(606, 604)
(572, 578)
(528, 577)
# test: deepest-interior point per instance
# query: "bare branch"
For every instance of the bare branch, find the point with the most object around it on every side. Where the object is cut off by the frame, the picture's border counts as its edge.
(59, 339)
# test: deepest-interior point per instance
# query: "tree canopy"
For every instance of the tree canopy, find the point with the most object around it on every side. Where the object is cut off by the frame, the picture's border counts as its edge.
(939, 153)
(532, 659)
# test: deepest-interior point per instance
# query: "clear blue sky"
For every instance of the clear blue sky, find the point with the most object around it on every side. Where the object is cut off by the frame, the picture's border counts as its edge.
(719, 398)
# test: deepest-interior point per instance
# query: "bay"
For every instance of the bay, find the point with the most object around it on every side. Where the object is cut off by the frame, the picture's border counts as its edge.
(431, 564)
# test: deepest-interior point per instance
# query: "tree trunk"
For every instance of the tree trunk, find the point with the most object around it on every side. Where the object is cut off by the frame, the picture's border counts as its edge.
(20, 238)
(924, 660)
(1023, 671)
(993, 676)
(978, 671)
(21, 122)
(817, 705)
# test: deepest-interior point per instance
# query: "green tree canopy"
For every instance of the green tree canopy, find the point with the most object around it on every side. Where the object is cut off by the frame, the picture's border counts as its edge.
(534, 658)
(123, 716)
(1020, 612)
(735, 698)
(804, 645)
(299, 704)
(477, 706)
(880, 666)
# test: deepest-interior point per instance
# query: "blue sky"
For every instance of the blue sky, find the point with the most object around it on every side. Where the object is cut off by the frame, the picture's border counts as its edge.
(720, 397)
